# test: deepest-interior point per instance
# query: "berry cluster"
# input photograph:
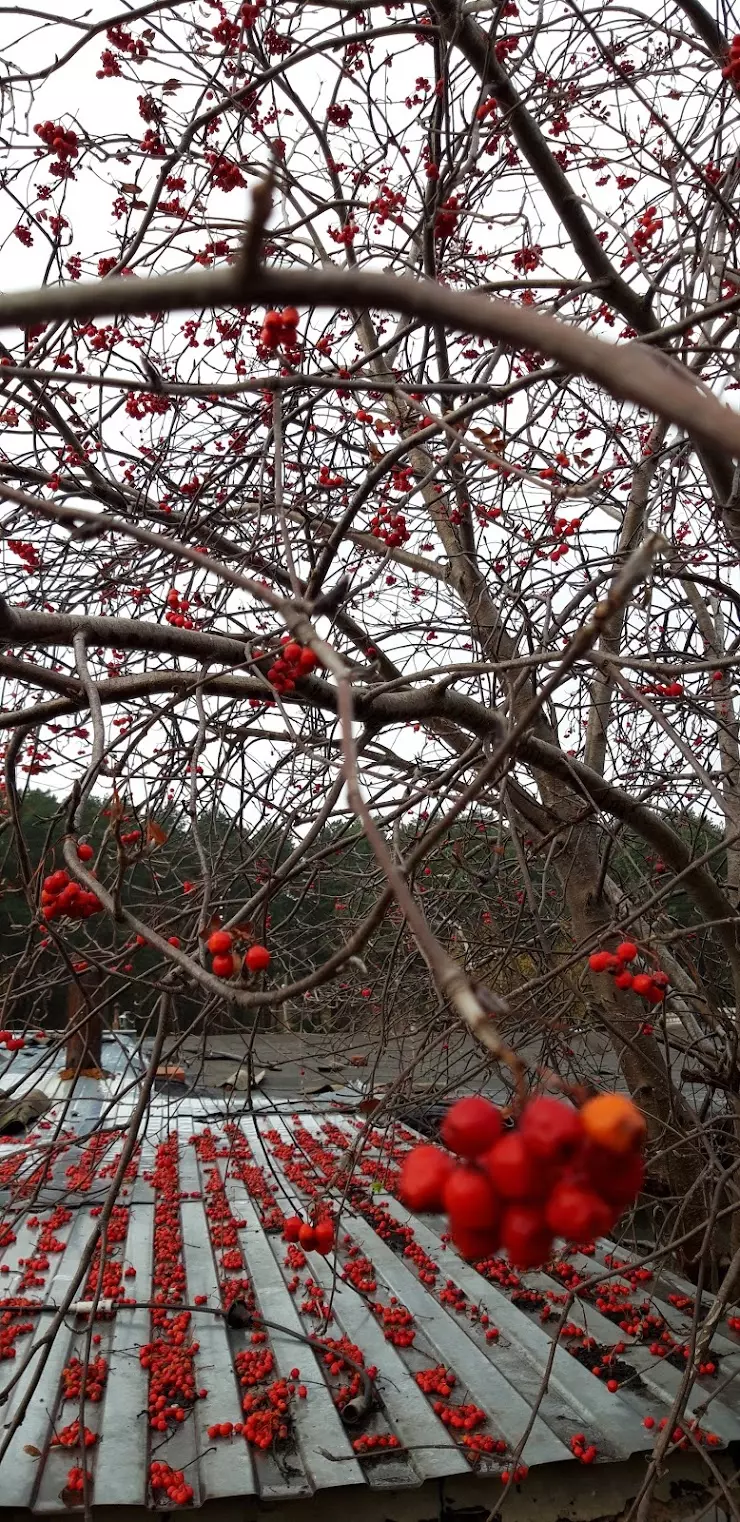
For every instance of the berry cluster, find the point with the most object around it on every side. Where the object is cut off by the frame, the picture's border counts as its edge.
(562, 527)
(390, 527)
(171, 1374)
(649, 985)
(559, 1173)
(266, 1411)
(649, 223)
(10, 1042)
(171, 1482)
(581, 1450)
(679, 1436)
(76, 1478)
(731, 69)
(369, 1442)
(447, 218)
(75, 1374)
(664, 689)
(293, 662)
(72, 1436)
(279, 329)
(463, 1418)
(224, 964)
(11, 1327)
(253, 1367)
(61, 896)
(177, 611)
(27, 552)
(59, 140)
(436, 1381)
(319, 1237)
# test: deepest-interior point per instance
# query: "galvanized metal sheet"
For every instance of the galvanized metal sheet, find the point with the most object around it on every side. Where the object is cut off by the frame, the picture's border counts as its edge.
(20, 1470)
(489, 1388)
(224, 1468)
(326, 1451)
(121, 1470)
(433, 1450)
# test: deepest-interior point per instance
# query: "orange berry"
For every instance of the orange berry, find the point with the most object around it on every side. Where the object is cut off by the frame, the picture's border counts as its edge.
(612, 1121)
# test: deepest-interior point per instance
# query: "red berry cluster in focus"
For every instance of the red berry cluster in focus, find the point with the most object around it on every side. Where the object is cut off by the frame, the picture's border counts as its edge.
(171, 1482)
(559, 1173)
(279, 329)
(651, 986)
(648, 224)
(61, 896)
(463, 1418)
(72, 1436)
(436, 1381)
(319, 1237)
(581, 1450)
(390, 527)
(369, 1442)
(224, 965)
(59, 140)
(293, 662)
(177, 611)
(10, 1042)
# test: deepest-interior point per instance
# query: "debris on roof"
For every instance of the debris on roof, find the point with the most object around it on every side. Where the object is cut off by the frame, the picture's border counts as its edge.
(154, 1396)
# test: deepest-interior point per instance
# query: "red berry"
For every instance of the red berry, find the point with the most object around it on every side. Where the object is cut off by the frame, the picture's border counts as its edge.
(258, 958)
(307, 1237)
(220, 942)
(623, 979)
(85, 851)
(575, 1213)
(513, 1170)
(223, 966)
(292, 652)
(324, 1236)
(549, 1128)
(173, 940)
(291, 1228)
(612, 1385)
(423, 1176)
(527, 1241)
(471, 1126)
(601, 961)
(617, 1180)
(626, 951)
(474, 1244)
(470, 1201)
(642, 983)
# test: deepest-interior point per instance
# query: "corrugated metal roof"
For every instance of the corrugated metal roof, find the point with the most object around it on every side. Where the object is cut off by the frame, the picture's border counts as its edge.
(198, 1222)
